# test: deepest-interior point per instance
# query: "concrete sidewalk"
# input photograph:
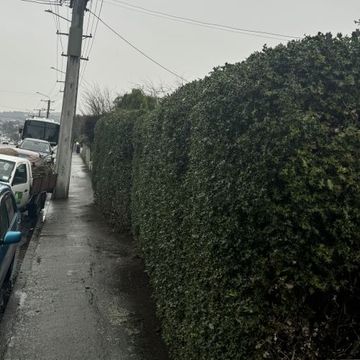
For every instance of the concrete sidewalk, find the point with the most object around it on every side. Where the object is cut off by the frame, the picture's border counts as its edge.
(81, 292)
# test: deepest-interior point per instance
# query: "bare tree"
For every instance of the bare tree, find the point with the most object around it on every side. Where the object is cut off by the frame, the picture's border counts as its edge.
(97, 101)
(157, 91)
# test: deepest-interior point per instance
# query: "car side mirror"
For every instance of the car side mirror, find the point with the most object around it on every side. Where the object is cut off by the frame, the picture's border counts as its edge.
(20, 130)
(12, 237)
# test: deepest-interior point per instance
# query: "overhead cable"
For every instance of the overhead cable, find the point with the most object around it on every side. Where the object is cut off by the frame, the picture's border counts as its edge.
(90, 20)
(57, 3)
(139, 50)
(93, 36)
(258, 33)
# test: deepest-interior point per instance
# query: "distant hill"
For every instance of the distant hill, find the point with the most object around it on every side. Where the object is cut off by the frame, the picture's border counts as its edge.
(17, 116)
(20, 116)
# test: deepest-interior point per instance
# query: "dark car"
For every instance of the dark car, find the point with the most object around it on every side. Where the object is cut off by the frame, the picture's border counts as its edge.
(9, 234)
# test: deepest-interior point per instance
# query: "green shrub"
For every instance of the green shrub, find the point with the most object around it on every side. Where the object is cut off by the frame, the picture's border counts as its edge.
(160, 203)
(245, 198)
(113, 150)
(274, 213)
(112, 166)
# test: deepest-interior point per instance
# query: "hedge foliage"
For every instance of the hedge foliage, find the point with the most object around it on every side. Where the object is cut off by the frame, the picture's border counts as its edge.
(245, 198)
(112, 166)
(113, 156)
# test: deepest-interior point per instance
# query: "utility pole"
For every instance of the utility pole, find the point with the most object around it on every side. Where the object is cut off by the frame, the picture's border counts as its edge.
(64, 152)
(48, 101)
(39, 110)
(48, 107)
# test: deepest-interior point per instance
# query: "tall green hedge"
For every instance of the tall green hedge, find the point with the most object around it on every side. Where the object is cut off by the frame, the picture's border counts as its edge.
(112, 165)
(245, 198)
(160, 204)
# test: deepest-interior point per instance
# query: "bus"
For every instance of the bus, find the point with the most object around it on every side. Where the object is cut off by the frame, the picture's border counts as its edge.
(40, 128)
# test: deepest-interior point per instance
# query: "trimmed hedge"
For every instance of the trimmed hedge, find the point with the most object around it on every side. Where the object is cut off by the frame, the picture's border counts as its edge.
(112, 166)
(245, 200)
(160, 204)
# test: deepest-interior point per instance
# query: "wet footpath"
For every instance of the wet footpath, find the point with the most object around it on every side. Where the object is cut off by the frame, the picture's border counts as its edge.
(81, 292)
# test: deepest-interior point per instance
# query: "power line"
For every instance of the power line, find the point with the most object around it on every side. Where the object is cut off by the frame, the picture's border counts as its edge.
(96, 25)
(190, 22)
(43, 2)
(57, 45)
(258, 33)
(88, 23)
(52, 90)
(89, 28)
(54, 10)
(93, 36)
(140, 51)
(86, 83)
(56, 16)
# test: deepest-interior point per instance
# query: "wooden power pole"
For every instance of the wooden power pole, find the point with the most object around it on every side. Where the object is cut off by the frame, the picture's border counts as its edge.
(48, 107)
(64, 151)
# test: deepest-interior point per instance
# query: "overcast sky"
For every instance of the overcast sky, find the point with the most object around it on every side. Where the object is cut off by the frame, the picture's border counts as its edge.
(30, 46)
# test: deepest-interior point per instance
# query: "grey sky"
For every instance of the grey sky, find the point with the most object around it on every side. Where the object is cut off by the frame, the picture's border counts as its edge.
(29, 44)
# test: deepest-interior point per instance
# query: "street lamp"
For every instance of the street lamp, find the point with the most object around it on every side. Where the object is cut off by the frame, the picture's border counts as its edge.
(38, 92)
(56, 69)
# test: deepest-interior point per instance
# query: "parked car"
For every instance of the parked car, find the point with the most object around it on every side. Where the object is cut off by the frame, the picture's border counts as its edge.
(10, 236)
(40, 146)
(29, 182)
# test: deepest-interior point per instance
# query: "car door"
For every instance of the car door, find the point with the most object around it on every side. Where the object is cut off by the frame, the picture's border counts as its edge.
(21, 185)
(9, 221)
(5, 257)
(13, 214)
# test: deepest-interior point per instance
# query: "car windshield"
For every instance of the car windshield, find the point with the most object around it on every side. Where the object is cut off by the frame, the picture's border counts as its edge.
(36, 146)
(6, 168)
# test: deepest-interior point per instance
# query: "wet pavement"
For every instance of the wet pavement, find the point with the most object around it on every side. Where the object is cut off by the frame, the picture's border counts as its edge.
(81, 292)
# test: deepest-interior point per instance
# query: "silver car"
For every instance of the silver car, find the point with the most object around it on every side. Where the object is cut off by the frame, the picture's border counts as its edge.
(40, 146)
